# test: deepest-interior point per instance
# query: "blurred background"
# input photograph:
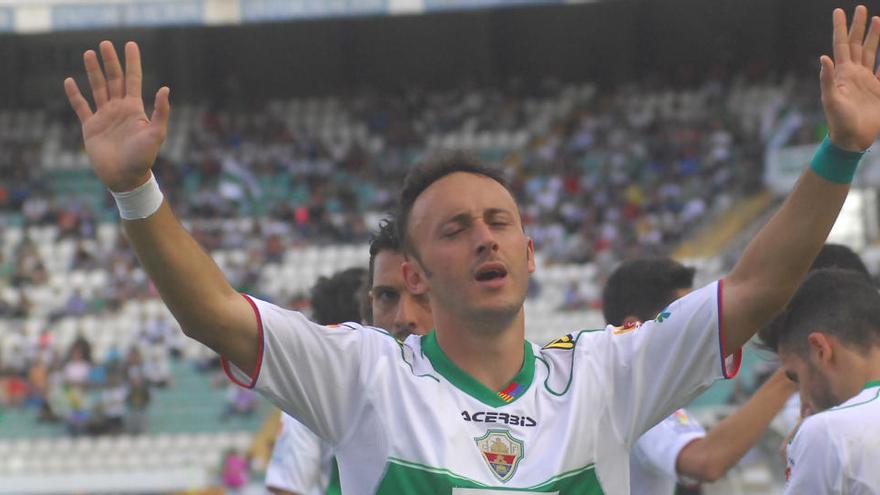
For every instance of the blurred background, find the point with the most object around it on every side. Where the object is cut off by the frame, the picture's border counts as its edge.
(628, 127)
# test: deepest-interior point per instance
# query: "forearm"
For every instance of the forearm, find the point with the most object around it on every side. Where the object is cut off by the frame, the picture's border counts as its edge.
(776, 260)
(192, 286)
(725, 444)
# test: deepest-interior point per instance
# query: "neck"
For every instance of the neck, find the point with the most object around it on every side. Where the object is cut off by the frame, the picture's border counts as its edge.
(492, 356)
(861, 369)
(872, 366)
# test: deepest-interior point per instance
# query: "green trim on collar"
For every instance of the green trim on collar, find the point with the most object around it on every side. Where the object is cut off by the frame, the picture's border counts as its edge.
(468, 384)
(871, 384)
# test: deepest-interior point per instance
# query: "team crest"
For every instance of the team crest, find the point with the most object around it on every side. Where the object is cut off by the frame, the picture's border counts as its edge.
(502, 451)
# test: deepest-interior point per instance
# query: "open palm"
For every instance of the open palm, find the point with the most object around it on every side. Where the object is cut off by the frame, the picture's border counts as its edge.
(850, 86)
(122, 143)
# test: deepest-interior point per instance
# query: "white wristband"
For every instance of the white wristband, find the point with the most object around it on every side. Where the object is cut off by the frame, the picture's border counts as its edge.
(141, 202)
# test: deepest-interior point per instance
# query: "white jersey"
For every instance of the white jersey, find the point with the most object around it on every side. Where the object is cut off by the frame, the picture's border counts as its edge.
(403, 418)
(838, 451)
(653, 457)
(301, 462)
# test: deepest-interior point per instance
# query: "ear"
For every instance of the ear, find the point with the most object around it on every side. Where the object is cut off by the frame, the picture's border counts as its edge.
(414, 278)
(821, 348)
(530, 254)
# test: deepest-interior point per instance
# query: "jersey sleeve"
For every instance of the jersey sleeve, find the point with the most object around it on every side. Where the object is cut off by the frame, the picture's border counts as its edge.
(658, 366)
(309, 371)
(814, 464)
(298, 463)
(659, 447)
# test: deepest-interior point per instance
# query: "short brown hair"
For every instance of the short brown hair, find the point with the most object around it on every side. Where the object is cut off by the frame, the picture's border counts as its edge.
(429, 172)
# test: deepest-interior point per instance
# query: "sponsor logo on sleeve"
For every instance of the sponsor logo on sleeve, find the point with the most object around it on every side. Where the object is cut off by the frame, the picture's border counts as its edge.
(566, 342)
(662, 316)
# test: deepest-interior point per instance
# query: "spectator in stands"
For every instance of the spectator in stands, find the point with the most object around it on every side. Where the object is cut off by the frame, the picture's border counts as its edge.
(137, 400)
(234, 472)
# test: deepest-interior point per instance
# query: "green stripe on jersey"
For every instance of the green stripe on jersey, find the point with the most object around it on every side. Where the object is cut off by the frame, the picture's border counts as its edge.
(409, 477)
(468, 384)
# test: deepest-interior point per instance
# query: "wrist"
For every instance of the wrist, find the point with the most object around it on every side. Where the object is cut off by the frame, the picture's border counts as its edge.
(140, 202)
(846, 144)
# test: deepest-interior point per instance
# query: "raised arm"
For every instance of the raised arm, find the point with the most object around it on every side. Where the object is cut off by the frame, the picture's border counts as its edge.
(709, 458)
(776, 260)
(122, 144)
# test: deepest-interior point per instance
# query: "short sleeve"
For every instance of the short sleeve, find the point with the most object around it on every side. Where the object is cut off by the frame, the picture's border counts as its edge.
(814, 465)
(659, 366)
(309, 371)
(659, 447)
(298, 463)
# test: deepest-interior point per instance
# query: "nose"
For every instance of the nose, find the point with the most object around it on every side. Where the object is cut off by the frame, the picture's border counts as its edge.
(485, 238)
(404, 320)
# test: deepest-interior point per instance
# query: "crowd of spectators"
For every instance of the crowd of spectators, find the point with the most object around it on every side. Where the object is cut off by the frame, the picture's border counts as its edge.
(621, 170)
(86, 394)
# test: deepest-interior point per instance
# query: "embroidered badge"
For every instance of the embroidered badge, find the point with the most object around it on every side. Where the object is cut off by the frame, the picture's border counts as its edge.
(502, 451)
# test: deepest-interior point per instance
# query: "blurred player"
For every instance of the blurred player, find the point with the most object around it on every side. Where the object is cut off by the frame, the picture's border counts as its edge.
(303, 464)
(391, 306)
(831, 256)
(678, 448)
(829, 341)
(472, 404)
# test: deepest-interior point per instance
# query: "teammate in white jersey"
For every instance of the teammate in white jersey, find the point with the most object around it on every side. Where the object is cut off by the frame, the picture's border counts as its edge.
(472, 407)
(302, 463)
(829, 342)
(678, 448)
(831, 256)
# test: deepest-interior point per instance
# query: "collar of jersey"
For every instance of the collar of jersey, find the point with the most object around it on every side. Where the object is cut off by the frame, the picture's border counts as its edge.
(468, 384)
(871, 384)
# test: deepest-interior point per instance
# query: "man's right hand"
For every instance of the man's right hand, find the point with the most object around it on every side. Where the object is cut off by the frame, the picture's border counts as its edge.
(122, 143)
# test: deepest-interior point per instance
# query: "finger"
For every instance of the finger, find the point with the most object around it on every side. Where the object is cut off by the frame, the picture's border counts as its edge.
(115, 82)
(97, 83)
(161, 111)
(857, 33)
(869, 52)
(133, 73)
(77, 101)
(826, 75)
(840, 39)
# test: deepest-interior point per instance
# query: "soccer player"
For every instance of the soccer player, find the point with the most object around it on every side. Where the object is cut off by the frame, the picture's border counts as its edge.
(391, 306)
(831, 256)
(472, 405)
(678, 448)
(302, 463)
(829, 341)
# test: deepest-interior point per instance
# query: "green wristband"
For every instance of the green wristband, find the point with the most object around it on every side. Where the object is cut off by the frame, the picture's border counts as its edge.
(835, 164)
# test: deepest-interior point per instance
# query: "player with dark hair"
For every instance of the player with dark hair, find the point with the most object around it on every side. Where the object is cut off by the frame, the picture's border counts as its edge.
(390, 305)
(678, 448)
(840, 256)
(638, 289)
(473, 405)
(828, 339)
(303, 464)
(336, 299)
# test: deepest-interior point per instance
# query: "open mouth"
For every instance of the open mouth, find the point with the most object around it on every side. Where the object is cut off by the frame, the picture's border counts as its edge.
(491, 271)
